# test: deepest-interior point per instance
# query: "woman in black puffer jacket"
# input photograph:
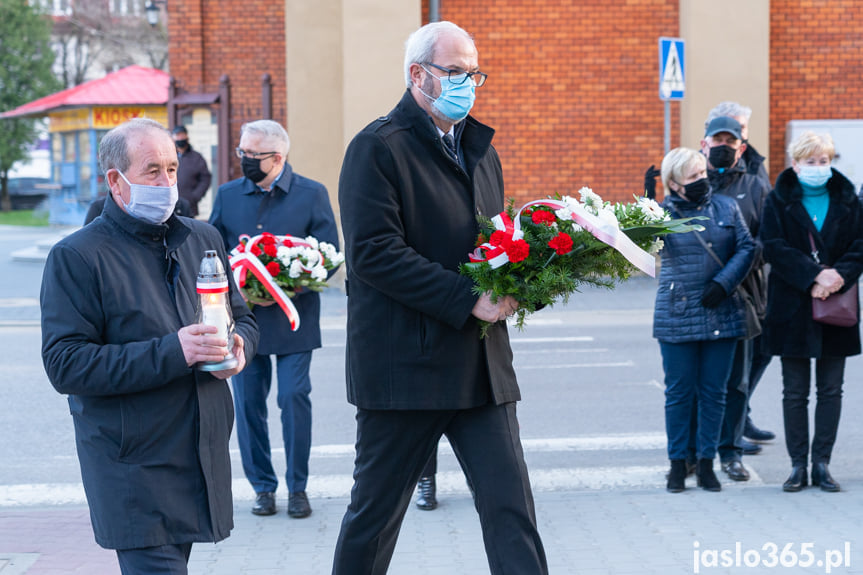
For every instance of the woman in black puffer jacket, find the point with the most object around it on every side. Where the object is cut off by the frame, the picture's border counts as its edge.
(698, 317)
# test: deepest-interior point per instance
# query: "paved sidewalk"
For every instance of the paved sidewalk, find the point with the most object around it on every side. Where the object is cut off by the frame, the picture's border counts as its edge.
(586, 532)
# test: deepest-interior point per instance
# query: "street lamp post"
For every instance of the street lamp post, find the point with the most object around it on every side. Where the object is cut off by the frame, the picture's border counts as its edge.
(152, 10)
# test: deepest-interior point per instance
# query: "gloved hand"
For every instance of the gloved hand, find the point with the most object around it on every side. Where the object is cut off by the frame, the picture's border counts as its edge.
(650, 182)
(713, 295)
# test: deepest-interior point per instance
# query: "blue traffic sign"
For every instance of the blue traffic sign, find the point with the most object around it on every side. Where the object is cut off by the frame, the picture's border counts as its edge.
(671, 71)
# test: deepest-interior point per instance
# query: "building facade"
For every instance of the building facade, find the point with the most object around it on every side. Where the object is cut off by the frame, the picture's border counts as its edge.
(573, 84)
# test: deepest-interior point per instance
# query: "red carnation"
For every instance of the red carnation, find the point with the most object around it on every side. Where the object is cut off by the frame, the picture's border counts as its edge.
(287, 243)
(499, 238)
(518, 250)
(561, 244)
(270, 250)
(480, 239)
(543, 217)
(256, 251)
(273, 268)
(268, 239)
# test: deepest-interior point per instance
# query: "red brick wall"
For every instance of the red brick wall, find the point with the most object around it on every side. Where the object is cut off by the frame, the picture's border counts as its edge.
(572, 90)
(816, 65)
(209, 38)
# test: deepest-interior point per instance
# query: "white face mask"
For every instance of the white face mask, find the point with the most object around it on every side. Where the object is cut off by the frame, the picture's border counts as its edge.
(153, 204)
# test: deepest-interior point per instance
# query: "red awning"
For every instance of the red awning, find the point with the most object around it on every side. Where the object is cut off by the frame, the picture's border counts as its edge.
(133, 85)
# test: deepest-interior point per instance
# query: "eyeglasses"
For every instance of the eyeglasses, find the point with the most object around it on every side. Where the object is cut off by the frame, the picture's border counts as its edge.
(459, 77)
(241, 153)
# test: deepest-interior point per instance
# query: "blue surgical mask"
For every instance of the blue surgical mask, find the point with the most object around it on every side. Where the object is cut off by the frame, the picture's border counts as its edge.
(153, 204)
(814, 176)
(455, 100)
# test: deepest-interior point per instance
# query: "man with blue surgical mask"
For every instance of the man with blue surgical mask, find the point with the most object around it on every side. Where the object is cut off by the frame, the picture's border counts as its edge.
(411, 186)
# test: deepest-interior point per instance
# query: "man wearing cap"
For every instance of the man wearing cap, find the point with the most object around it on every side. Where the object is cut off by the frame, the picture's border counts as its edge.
(723, 145)
(193, 176)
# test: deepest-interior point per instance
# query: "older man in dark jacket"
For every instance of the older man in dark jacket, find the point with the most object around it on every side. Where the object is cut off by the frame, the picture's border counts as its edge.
(411, 185)
(193, 174)
(119, 336)
(724, 147)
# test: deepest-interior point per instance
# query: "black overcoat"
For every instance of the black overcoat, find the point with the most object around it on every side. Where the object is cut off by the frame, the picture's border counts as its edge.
(409, 219)
(152, 433)
(789, 329)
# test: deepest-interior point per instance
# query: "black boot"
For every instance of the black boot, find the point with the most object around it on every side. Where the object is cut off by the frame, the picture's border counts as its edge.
(706, 478)
(797, 480)
(821, 478)
(426, 499)
(677, 476)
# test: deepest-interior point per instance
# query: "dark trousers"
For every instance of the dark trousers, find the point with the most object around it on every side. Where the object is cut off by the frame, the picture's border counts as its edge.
(736, 401)
(697, 369)
(431, 466)
(251, 388)
(392, 449)
(796, 375)
(760, 361)
(161, 560)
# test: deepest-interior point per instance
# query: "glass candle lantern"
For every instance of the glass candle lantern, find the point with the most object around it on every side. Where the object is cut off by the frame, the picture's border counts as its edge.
(214, 308)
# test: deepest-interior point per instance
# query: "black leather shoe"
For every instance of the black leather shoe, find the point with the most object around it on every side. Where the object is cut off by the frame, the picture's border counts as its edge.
(676, 476)
(750, 448)
(797, 480)
(426, 499)
(298, 505)
(750, 431)
(265, 504)
(706, 478)
(735, 470)
(821, 478)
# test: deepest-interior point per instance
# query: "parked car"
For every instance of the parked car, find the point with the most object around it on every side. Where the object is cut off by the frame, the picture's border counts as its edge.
(28, 193)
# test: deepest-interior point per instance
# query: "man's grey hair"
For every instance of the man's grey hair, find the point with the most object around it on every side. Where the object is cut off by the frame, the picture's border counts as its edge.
(113, 150)
(420, 45)
(272, 132)
(728, 109)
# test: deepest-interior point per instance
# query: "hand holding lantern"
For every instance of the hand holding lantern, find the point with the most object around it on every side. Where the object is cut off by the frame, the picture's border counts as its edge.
(214, 308)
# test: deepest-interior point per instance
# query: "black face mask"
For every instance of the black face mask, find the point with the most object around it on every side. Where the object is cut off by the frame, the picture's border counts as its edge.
(252, 169)
(696, 190)
(182, 144)
(722, 156)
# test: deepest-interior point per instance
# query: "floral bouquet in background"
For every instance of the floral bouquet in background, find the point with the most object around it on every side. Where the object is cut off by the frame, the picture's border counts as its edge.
(272, 269)
(546, 250)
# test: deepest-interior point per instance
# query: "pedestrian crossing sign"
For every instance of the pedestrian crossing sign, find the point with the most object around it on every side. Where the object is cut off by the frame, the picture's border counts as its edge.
(671, 77)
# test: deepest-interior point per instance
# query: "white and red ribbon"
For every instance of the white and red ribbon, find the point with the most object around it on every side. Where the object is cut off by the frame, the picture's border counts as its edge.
(604, 231)
(243, 262)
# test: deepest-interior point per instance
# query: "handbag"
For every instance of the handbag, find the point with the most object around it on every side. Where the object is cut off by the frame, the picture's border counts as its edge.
(839, 308)
(750, 305)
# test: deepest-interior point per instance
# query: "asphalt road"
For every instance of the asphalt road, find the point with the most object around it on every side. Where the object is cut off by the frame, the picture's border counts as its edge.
(591, 414)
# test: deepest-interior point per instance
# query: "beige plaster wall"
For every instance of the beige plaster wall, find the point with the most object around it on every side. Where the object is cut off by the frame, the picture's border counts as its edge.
(344, 69)
(727, 58)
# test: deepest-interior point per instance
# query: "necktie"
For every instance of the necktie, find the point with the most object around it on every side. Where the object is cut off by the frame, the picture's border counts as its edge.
(449, 144)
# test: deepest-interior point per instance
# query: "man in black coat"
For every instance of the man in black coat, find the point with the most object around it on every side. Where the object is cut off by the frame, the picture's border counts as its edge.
(120, 338)
(193, 175)
(411, 186)
(724, 147)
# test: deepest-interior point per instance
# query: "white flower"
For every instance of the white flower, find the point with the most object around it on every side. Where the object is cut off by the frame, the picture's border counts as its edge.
(563, 214)
(311, 257)
(319, 273)
(312, 241)
(296, 269)
(653, 210)
(656, 247)
(589, 198)
(570, 201)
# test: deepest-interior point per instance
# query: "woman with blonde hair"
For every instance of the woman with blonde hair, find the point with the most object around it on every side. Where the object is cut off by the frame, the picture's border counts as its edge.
(812, 232)
(698, 317)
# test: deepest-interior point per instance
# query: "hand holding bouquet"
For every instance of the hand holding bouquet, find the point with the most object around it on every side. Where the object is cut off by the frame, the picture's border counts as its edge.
(550, 247)
(281, 267)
